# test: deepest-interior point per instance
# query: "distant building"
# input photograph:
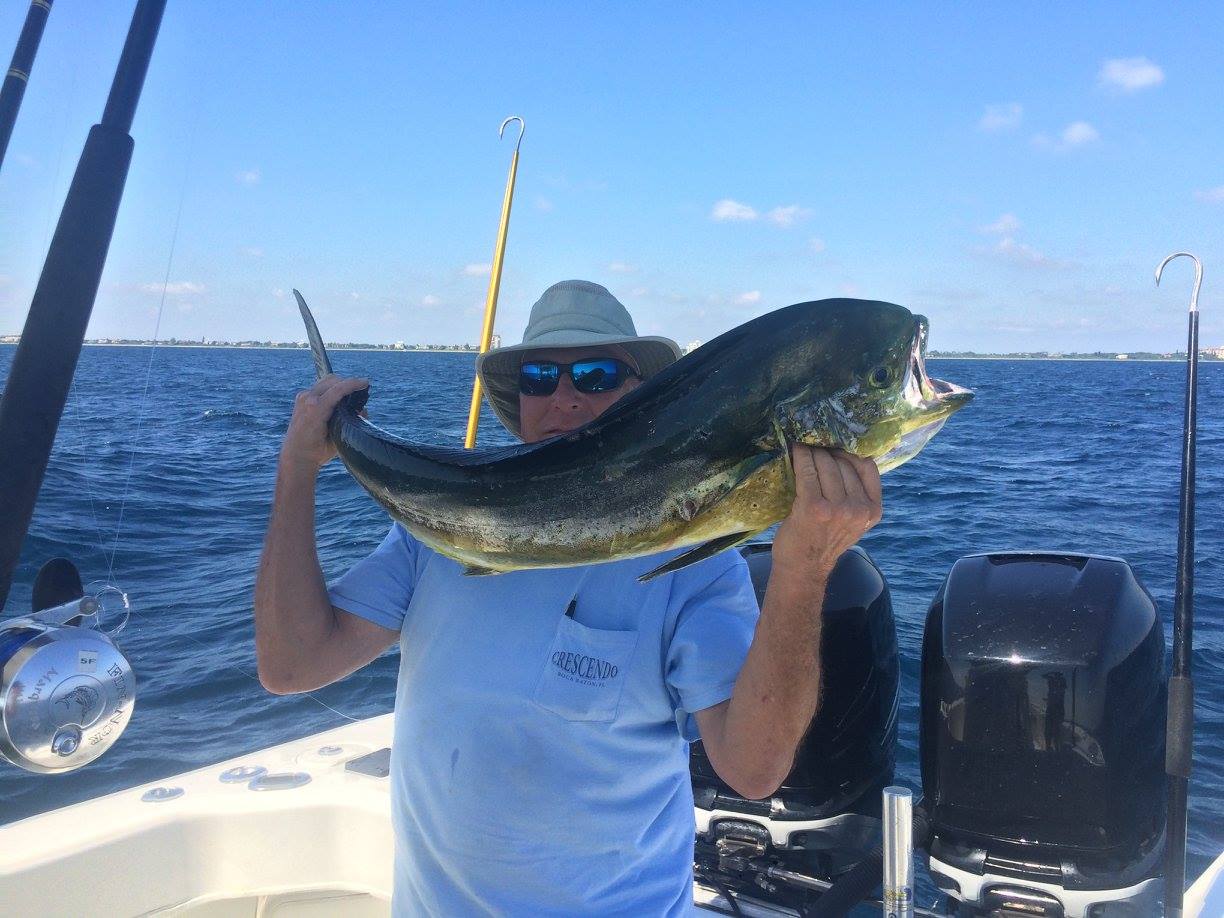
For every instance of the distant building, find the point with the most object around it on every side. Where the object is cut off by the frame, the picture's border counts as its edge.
(495, 341)
(692, 346)
(1212, 351)
(10, 339)
(1122, 357)
(400, 346)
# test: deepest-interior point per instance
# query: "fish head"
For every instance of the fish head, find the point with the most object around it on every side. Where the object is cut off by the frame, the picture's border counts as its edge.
(881, 403)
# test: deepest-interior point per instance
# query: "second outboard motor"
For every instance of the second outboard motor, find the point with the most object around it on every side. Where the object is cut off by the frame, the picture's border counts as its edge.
(826, 814)
(1042, 736)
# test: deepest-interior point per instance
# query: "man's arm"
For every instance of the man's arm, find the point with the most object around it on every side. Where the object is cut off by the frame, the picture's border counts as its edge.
(302, 642)
(751, 738)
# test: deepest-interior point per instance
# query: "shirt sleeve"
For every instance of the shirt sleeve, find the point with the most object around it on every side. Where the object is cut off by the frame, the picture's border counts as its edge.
(714, 628)
(380, 586)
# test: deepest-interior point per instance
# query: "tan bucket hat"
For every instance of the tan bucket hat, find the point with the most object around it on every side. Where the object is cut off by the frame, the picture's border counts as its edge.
(573, 313)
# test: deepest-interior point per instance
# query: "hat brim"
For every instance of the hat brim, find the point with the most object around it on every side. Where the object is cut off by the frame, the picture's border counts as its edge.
(499, 369)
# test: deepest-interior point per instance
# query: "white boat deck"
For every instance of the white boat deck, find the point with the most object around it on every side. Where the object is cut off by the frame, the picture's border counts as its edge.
(218, 849)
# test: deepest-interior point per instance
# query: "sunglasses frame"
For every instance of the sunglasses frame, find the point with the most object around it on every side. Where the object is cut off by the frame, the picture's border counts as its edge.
(628, 372)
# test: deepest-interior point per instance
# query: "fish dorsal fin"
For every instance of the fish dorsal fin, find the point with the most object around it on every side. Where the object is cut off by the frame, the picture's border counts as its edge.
(693, 555)
(472, 570)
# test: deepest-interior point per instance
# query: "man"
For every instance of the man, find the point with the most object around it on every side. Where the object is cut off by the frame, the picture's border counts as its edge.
(540, 758)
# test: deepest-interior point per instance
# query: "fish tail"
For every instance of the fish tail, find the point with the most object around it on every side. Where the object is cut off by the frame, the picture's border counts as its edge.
(322, 363)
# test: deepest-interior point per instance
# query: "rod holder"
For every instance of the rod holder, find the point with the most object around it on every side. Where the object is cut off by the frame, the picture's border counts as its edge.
(898, 829)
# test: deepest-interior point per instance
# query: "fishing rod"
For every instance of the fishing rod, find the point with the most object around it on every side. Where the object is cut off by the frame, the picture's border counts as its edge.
(499, 252)
(43, 367)
(18, 74)
(1179, 735)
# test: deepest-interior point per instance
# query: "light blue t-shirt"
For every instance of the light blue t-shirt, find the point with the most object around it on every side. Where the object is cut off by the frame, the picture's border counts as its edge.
(542, 721)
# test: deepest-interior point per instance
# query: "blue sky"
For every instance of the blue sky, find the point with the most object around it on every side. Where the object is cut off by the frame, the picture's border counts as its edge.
(1013, 171)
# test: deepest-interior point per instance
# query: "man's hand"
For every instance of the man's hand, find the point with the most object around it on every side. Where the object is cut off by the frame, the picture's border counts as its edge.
(307, 447)
(837, 499)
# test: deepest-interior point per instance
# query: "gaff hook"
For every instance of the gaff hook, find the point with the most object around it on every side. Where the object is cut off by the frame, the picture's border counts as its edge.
(522, 130)
(1198, 275)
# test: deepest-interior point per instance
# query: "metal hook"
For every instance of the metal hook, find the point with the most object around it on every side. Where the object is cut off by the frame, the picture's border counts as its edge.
(522, 130)
(1198, 275)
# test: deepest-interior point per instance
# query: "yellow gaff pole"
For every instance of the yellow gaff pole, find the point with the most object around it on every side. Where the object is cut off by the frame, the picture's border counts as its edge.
(499, 252)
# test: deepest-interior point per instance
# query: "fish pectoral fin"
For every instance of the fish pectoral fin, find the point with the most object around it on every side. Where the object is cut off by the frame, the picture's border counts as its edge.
(691, 508)
(472, 570)
(693, 555)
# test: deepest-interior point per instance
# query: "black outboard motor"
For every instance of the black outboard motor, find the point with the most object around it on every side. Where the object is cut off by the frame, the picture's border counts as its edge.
(1042, 737)
(826, 814)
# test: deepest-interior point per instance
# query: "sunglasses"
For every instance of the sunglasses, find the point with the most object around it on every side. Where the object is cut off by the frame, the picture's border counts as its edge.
(595, 374)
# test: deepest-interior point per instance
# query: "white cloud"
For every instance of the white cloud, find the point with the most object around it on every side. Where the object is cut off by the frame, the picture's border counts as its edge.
(430, 300)
(181, 288)
(816, 245)
(280, 293)
(1078, 133)
(620, 267)
(477, 270)
(1019, 253)
(787, 216)
(1075, 134)
(543, 204)
(849, 289)
(253, 251)
(1006, 225)
(249, 177)
(639, 291)
(1211, 195)
(727, 210)
(1005, 117)
(1130, 74)
(354, 295)
(747, 299)
(24, 159)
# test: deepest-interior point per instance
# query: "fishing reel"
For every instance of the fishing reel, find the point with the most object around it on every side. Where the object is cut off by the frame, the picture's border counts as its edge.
(66, 690)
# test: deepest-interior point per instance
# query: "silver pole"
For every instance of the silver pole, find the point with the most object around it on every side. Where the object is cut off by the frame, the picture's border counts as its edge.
(898, 852)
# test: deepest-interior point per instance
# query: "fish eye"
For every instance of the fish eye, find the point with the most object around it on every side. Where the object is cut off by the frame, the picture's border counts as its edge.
(881, 377)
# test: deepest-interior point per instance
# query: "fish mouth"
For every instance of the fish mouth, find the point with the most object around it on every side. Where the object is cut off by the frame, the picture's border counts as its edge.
(934, 398)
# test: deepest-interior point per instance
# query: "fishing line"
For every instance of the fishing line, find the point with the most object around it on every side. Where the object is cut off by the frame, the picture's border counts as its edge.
(59, 162)
(161, 308)
(255, 679)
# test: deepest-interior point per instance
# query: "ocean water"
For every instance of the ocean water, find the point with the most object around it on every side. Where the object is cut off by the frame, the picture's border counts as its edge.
(173, 485)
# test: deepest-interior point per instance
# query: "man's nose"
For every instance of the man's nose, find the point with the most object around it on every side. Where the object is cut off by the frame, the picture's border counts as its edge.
(566, 396)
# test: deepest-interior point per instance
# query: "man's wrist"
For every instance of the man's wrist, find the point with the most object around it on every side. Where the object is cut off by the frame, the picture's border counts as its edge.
(799, 582)
(297, 472)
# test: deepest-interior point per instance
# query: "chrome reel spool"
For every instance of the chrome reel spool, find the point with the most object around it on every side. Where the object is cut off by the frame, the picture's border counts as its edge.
(66, 690)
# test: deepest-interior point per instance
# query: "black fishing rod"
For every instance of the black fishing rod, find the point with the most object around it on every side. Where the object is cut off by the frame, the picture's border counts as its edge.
(19, 70)
(46, 358)
(1179, 736)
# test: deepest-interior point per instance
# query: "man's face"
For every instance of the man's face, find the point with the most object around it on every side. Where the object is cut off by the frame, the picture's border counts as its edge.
(544, 416)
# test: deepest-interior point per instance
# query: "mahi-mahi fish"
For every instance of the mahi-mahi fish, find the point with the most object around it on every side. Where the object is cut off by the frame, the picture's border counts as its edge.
(696, 457)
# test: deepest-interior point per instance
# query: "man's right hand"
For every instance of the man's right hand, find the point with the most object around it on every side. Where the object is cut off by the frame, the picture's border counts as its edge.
(307, 447)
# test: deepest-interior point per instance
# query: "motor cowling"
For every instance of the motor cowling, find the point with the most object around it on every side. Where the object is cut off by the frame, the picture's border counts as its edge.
(1042, 733)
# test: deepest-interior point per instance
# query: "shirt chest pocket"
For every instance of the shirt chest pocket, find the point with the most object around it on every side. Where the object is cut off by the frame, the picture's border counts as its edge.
(584, 674)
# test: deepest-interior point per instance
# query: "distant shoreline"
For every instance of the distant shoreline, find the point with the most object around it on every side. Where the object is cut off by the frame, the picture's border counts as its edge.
(448, 350)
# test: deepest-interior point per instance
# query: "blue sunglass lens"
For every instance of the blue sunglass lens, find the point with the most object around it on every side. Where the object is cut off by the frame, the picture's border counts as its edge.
(596, 375)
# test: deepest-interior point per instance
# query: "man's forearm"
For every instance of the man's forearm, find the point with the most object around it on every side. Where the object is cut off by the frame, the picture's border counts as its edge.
(778, 688)
(293, 615)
